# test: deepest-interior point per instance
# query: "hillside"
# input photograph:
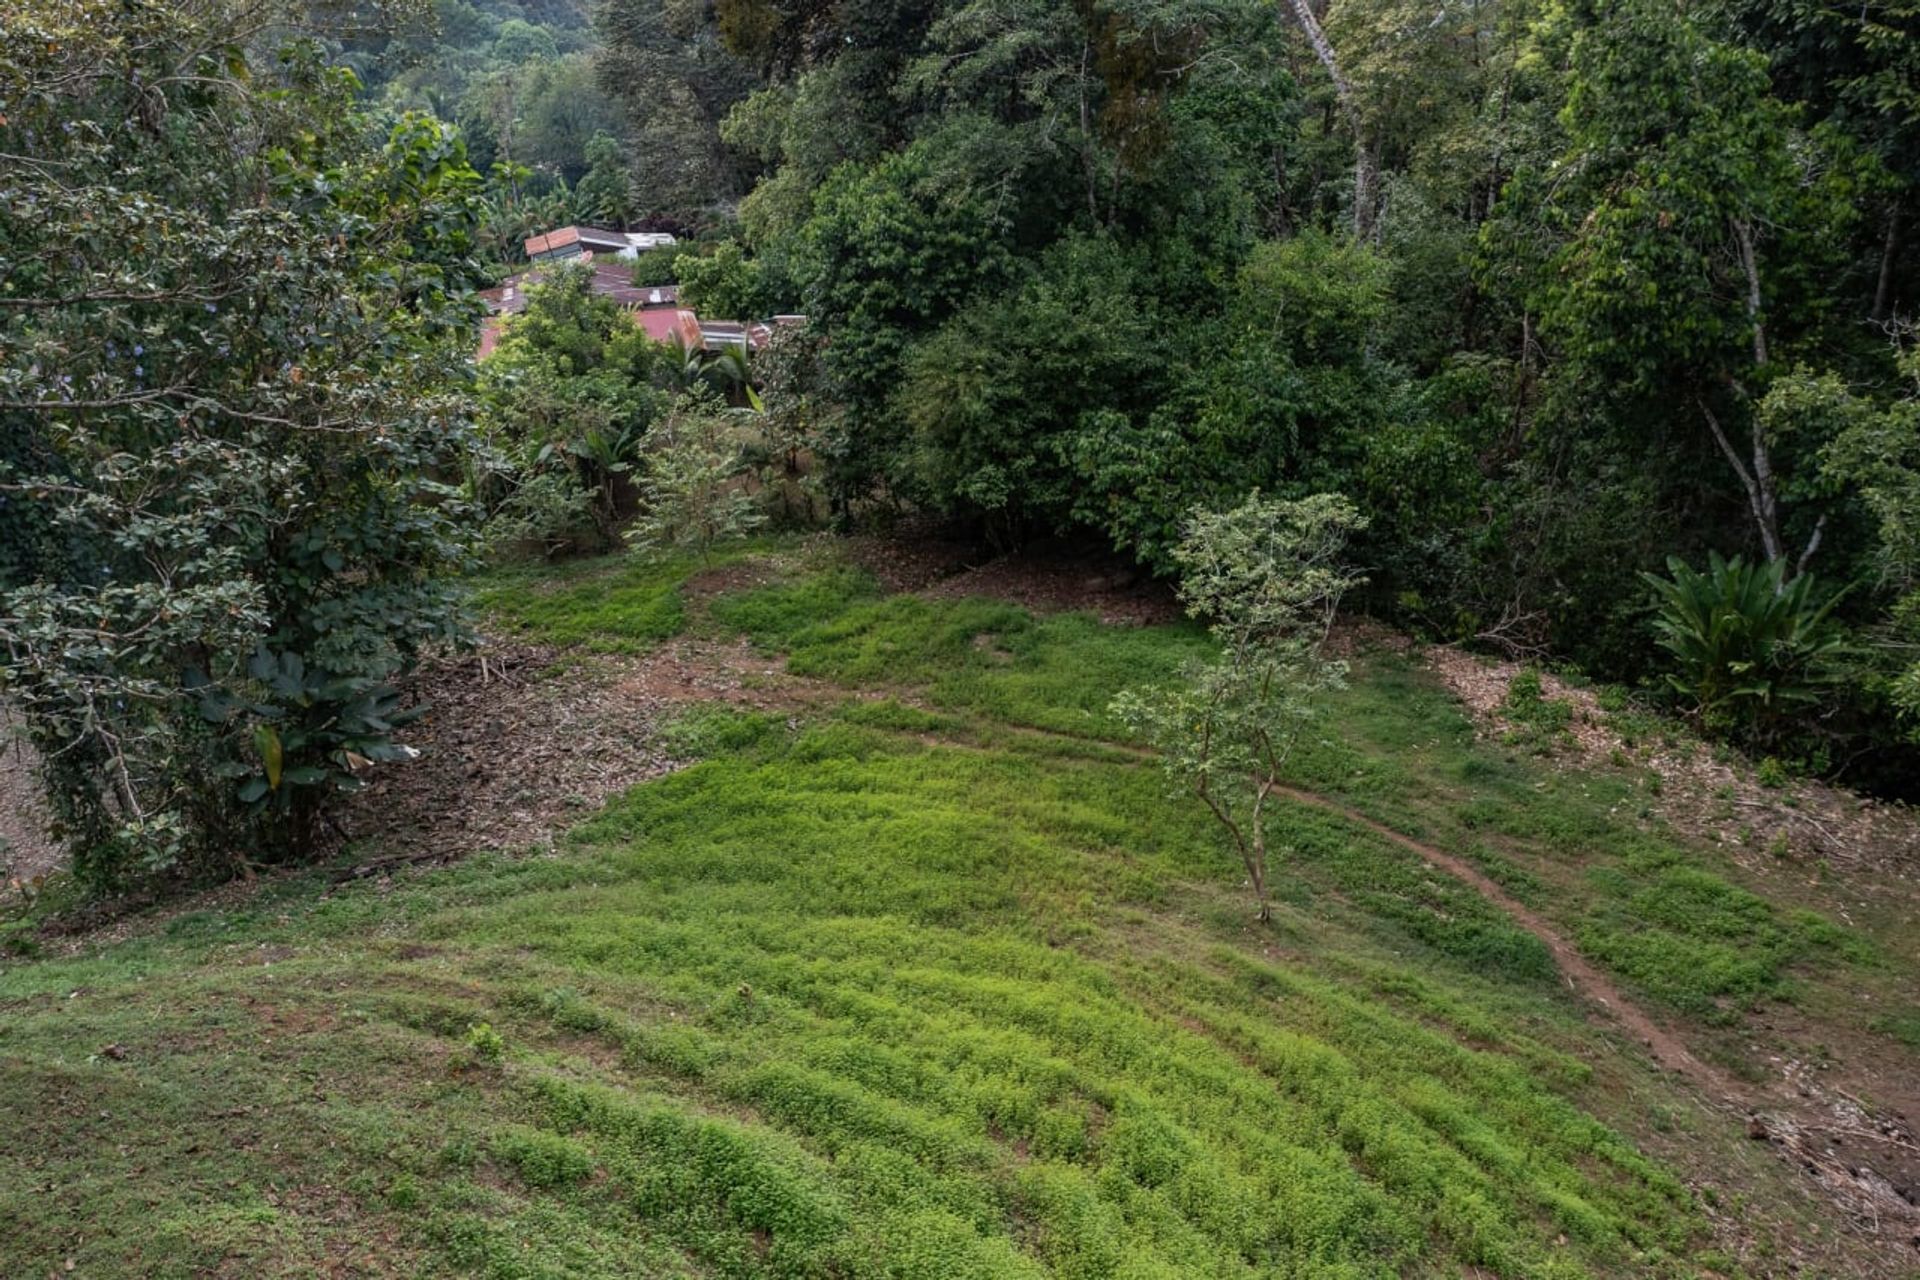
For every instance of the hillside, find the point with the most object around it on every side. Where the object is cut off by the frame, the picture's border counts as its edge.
(902, 961)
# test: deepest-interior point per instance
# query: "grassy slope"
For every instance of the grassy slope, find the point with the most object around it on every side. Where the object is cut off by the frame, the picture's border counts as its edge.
(941, 989)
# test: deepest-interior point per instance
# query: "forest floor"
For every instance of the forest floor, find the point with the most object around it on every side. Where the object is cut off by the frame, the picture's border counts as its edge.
(806, 914)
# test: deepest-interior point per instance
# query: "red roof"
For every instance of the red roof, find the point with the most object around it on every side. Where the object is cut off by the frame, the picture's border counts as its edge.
(656, 308)
(661, 323)
(553, 240)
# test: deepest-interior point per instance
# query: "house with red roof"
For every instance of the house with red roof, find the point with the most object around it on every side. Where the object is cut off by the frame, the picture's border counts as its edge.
(655, 308)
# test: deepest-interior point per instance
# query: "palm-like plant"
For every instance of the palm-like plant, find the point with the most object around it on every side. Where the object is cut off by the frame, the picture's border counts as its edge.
(727, 371)
(1750, 646)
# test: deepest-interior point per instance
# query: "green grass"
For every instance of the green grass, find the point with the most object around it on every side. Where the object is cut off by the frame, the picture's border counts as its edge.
(614, 604)
(943, 984)
(985, 656)
(1904, 1027)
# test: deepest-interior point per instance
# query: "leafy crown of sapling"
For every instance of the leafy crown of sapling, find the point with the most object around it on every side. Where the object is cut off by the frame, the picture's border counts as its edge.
(1267, 577)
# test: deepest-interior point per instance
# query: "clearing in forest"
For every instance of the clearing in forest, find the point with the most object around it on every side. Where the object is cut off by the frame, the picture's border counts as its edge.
(899, 961)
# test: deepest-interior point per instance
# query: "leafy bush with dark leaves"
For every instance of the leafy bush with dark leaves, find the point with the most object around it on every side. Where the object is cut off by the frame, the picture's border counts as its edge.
(242, 414)
(1749, 647)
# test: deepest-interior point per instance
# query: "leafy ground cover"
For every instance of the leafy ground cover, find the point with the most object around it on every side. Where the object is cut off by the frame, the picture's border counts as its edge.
(934, 979)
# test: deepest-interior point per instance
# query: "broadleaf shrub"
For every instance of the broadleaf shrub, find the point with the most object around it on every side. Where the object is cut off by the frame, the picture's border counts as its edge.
(242, 413)
(1749, 647)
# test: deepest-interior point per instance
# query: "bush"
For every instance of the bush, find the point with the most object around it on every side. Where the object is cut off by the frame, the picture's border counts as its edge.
(1750, 647)
(247, 449)
(694, 495)
(568, 396)
(486, 1044)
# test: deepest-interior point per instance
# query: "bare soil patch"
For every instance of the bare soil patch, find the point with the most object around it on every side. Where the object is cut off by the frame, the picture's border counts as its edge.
(520, 741)
(908, 562)
(512, 745)
(1044, 578)
(1704, 795)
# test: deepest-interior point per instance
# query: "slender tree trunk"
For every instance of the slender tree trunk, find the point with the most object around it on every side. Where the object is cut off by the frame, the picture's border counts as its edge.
(1364, 171)
(1257, 863)
(1756, 475)
(1889, 254)
(1086, 134)
(1759, 503)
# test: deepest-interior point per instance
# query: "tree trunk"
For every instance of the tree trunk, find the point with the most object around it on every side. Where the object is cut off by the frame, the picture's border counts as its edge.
(1889, 254)
(1364, 173)
(1757, 476)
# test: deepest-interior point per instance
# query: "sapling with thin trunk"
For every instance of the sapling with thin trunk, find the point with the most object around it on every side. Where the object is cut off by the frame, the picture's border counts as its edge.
(693, 491)
(1267, 577)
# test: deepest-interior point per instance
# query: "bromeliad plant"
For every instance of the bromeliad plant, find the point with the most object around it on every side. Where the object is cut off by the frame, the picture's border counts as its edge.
(1268, 577)
(1750, 647)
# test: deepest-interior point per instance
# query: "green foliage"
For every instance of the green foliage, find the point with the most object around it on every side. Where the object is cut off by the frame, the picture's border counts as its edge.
(1005, 398)
(260, 398)
(888, 250)
(1267, 578)
(709, 731)
(664, 65)
(778, 617)
(694, 494)
(721, 284)
(543, 1160)
(1749, 647)
(519, 83)
(1872, 452)
(797, 418)
(604, 194)
(1904, 1027)
(620, 604)
(570, 394)
(487, 1044)
(1699, 943)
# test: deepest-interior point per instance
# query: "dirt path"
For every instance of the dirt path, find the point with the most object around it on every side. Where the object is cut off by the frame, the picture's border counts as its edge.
(1580, 974)
(1810, 1126)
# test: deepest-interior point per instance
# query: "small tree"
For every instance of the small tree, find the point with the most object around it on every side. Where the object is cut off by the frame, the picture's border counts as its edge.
(694, 494)
(1268, 577)
(567, 399)
(233, 355)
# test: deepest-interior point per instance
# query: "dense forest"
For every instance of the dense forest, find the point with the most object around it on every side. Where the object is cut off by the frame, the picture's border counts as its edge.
(1562, 295)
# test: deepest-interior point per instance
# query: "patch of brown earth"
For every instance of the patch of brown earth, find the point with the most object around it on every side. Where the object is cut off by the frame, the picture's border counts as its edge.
(513, 745)
(907, 562)
(1712, 798)
(1044, 578)
(1115, 593)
